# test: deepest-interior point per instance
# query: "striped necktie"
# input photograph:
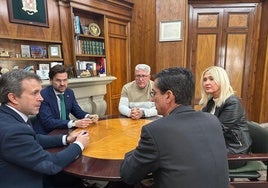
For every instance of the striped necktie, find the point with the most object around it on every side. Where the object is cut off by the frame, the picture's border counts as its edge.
(62, 106)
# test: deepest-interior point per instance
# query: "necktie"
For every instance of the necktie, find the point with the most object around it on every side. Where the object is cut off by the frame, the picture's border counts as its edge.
(62, 106)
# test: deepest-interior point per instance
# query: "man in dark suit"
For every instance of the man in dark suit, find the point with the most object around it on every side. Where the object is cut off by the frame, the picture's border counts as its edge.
(183, 149)
(50, 115)
(23, 160)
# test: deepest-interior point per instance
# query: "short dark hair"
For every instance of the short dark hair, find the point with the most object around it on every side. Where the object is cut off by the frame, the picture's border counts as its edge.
(11, 82)
(180, 81)
(55, 70)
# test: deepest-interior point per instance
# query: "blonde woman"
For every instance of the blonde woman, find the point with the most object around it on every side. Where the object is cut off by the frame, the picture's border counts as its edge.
(218, 98)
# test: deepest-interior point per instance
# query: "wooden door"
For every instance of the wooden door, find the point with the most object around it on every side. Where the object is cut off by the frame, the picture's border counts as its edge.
(117, 60)
(223, 35)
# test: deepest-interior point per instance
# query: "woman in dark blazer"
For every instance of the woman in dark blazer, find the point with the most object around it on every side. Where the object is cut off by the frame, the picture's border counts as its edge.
(219, 99)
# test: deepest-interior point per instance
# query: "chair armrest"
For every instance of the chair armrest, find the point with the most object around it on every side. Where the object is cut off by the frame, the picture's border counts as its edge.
(248, 157)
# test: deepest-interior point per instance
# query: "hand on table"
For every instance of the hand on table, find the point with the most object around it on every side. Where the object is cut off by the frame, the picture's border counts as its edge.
(136, 113)
(83, 123)
(93, 117)
(80, 136)
(83, 138)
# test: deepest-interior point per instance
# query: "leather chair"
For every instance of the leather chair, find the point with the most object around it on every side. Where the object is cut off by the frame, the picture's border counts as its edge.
(257, 160)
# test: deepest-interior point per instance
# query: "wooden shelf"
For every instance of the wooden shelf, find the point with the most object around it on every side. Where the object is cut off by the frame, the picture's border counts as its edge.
(88, 55)
(29, 59)
(89, 37)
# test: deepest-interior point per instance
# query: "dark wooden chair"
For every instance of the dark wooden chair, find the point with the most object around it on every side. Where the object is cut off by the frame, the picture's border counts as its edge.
(257, 160)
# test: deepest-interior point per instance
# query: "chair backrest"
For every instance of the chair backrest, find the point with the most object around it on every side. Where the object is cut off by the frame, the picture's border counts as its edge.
(259, 136)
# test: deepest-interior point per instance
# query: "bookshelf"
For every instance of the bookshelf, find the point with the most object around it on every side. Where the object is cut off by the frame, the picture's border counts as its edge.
(113, 19)
(26, 53)
(89, 43)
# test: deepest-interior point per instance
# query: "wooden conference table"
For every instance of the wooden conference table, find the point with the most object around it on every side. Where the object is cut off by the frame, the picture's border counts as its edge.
(110, 139)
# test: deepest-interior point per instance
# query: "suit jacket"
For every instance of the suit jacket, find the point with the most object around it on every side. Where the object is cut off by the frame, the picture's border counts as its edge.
(48, 117)
(184, 149)
(23, 160)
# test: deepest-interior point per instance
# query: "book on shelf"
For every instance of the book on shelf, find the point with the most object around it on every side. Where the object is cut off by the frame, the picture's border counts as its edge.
(77, 25)
(90, 47)
(101, 66)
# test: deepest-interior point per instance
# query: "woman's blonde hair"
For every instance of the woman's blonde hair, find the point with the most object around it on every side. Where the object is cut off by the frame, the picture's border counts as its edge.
(222, 80)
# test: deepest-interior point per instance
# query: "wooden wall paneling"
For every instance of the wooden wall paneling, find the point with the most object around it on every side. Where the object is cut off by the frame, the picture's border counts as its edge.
(14, 30)
(118, 61)
(143, 35)
(260, 94)
(115, 8)
(264, 101)
(240, 58)
(235, 58)
(205, 37)
(170, 54)
(232, 28)
(28, 35)
(67, 32)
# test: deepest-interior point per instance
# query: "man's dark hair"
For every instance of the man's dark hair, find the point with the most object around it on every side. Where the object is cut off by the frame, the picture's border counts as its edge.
(55, 70)
(11, 82)
(180, 81)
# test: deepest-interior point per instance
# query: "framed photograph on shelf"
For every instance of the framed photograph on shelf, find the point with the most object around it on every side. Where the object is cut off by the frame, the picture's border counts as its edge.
(43, 66)
(38, 51)
(25, 51)
(54, 51)
(170, 30)
(43, 74)
(28, 12)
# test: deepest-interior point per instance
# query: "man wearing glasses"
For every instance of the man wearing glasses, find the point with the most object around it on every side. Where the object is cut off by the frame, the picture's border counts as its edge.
(135, 100)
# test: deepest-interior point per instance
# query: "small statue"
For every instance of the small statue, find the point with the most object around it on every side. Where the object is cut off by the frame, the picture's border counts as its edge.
(4, 54)
(70, 72)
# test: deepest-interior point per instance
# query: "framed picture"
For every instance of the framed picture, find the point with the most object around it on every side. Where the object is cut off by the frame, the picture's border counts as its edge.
(54, 51)
(38, 51)
(43, 74)
(32, 12)
(170, 30)
(43, 66)
(25, 51)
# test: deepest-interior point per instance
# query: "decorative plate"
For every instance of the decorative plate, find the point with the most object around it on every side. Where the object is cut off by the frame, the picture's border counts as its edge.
(94, 29)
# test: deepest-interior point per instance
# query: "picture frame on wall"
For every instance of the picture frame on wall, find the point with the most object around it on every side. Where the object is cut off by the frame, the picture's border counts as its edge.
(170, 30)
(54, 51)
(28, 12)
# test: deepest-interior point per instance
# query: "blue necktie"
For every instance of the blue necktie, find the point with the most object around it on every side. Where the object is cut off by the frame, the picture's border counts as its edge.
(62, 106)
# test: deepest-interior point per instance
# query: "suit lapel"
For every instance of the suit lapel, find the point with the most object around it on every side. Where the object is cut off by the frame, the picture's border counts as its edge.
(8, 110)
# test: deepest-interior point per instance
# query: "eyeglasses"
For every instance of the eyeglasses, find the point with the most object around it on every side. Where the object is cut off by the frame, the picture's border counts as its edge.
(141, 76)
(152, 93)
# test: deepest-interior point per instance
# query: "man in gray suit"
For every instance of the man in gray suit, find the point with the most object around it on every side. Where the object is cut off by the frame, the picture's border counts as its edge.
(183, 149)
